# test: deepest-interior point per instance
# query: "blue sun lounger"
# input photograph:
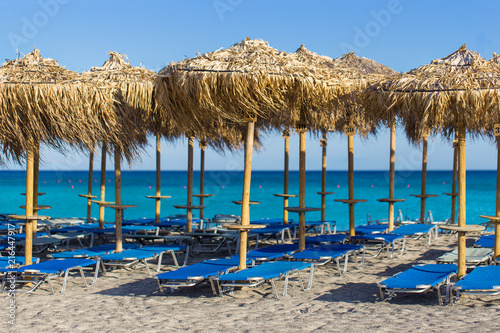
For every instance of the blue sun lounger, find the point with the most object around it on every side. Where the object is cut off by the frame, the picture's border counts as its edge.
(188, 276)
(272, 231)
(34, 275)
(8, 262)
(324, 254)
(417, 230)
(485, 241)
(419, 279)
(325, 239)
(386, 241)
(483, 280)
(473, 257)
(129, 258)
(370, 229)
(91, 252)
(271, 252)
(269, 271)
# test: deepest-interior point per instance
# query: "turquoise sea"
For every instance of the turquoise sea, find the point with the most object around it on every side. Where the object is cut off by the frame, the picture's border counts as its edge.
(63, 187)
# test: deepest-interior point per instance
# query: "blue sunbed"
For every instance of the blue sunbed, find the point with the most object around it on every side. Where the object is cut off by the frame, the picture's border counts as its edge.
(325, 239)
(91, 252)
(370, 229)
(418, 230)
(15, 261)
(485, 241)
(483, 280)
(271, 252)
(265, 272)
(34, 275)
(192, 275)
(335, 252)
(419, 279)
(142, 255)
(386, 241)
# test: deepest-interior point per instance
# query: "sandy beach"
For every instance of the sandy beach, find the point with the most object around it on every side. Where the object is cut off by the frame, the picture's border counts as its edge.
(130, 301)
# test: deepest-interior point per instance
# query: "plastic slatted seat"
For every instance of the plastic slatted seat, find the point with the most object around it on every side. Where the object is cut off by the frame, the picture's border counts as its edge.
(483, 280)
(485, 241)
(370, 229)
(473, 256)
(386, 241)
(419, 279)
(335, 252)
(269, 271)
(188, 276)
(34, 275)
(419, 230)
(326, 239)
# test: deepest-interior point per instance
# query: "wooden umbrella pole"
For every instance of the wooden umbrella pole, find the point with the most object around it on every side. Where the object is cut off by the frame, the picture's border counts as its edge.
(424, 178)
(454, 181)
(36, 172)
(245, 200)
(190, 185)
(392, 159)
(118, 200)
(89, 199)
(286, 174)
(28, 243)
(350, 150)
(323, 178)
(302, 190)
(103, 184)
(461, 200)
(497, 229)
(202, 179)
(158, 179)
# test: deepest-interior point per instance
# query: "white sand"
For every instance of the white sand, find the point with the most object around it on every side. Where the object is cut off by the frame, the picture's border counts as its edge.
(130, 301)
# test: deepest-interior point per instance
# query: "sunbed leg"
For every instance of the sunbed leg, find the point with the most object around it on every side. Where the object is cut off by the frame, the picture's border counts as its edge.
(212, 285)
(337, 262)
(145, 262)
(51, 288)
(403, 245)
(186, 256)
(439, 295)
(363, 257)
(275, 292)
(66, 273)
(345, 262)
(311, 273)
(174, 257)
(382, 294)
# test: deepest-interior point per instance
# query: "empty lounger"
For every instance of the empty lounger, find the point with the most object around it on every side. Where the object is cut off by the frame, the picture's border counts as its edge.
(419, 279)
(9, 262)
(188, 276)
(271, 252)
(34, 275)
(266, 272)
(483, 280)
(326, 239)
(473, 256)
(370, 229)
(90, 252)
(386, 241)
(335, 252)
(417, 230)
(485, 241)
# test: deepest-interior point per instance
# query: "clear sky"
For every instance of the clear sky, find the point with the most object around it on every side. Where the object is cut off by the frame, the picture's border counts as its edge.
(401, 34)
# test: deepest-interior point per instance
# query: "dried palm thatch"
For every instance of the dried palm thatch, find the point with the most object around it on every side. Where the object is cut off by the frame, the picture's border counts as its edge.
(248, 79)
(133, 91)
(357, 74)
(462, 88)
(41, 101)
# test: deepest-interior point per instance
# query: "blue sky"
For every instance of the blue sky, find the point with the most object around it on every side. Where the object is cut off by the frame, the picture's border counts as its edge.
(401, 34)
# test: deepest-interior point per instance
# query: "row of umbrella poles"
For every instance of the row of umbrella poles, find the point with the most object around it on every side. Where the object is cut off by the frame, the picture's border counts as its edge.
(262, 92)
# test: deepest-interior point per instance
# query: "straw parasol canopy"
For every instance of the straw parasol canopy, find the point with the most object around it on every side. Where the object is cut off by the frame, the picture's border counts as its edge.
(41, 101)
(246, 83)
(460, 88)
(249, 78)
(458, 92)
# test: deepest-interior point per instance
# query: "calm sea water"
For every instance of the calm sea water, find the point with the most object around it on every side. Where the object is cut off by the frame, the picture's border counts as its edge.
(63, 187)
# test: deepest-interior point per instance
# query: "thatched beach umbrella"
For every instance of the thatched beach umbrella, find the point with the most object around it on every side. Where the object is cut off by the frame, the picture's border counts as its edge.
(249, 82)
(453, 93)
(132, 88)
(357, 73)
(41, 101)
